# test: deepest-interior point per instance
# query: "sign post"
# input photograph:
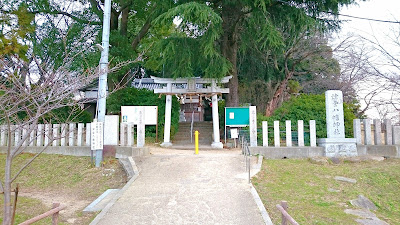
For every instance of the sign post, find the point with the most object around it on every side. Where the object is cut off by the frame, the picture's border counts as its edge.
(96, 130)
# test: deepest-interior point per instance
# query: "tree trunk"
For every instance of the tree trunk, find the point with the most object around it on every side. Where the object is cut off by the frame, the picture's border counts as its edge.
(278, 95)
(143, 31)
(124, 21)
(7, 214)
(231, 15)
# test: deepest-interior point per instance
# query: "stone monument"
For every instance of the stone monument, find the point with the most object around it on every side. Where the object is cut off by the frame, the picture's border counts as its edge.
(336, 144)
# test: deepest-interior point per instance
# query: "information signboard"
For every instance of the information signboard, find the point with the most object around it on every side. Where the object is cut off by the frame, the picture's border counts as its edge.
(96, 130)
(130, 114)
(237, 116)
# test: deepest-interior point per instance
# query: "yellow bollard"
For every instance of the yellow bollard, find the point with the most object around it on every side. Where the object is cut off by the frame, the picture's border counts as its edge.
(196, 142)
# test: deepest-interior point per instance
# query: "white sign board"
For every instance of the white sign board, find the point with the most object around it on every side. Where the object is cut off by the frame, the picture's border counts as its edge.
(96, 135)
(234, 133)
(130, 114)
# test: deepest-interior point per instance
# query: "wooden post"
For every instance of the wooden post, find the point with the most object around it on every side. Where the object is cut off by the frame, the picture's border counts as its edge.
(54, 219)
(285, 207)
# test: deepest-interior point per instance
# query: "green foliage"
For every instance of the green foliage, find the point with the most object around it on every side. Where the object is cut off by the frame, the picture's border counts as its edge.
(306, 108)
(190, 49)
(67, 114)
(144, 97)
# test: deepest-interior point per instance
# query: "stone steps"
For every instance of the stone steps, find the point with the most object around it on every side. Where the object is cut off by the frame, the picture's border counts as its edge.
(183, 136)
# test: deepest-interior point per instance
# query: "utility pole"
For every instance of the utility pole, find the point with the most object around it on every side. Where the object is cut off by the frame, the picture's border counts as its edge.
(102, 90)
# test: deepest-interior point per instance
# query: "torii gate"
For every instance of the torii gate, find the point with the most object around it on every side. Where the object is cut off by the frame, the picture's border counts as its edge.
(191, 89)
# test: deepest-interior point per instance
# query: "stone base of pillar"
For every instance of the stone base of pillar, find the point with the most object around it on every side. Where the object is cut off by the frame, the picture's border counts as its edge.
(218, 145)
(338, 147)
(166, 144)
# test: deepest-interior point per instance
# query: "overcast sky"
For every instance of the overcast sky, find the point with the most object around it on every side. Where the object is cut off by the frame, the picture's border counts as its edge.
(373, 9)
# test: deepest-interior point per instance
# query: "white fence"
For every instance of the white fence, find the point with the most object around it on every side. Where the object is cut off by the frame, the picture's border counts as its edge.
(288, 133)
(71, 134)
(376, 132)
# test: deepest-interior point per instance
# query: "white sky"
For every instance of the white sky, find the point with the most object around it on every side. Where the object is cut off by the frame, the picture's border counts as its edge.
(374, 9)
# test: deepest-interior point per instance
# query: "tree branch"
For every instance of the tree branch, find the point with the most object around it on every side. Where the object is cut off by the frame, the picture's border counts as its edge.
(53, 12)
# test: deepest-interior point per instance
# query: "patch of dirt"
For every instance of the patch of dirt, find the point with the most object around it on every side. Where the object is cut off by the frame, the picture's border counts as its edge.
(74, 204)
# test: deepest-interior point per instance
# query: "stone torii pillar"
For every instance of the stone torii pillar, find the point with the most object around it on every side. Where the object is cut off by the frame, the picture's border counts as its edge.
(216, 138)
(167, 126)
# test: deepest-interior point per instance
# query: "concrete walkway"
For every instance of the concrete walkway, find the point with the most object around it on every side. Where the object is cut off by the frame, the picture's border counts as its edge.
(178, 187)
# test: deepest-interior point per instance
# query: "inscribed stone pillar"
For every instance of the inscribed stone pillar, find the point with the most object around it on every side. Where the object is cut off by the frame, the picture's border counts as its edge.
(377, 132)
(367, 132)
(288, 124)
(253, 126)
(167, 125)
(141, 127)
(334, 114)
(300, 133)
(388, 132)
(216, 139)
(265, 133)
(357, 131)
(336, 144)
(277, 138)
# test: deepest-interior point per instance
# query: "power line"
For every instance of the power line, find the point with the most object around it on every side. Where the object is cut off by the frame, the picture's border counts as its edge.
(350, 16)
(364, 18)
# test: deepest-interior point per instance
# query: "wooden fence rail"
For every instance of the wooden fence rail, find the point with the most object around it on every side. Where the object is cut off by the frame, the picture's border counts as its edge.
(283, 208)
(54, 213)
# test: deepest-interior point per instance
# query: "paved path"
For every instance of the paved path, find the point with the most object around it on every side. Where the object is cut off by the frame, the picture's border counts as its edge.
(178, 187)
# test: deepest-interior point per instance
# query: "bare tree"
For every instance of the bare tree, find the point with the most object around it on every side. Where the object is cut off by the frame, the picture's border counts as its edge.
(371, 65)
(25, 98)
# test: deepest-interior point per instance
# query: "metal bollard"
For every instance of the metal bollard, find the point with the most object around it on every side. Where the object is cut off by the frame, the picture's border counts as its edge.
(196, 142)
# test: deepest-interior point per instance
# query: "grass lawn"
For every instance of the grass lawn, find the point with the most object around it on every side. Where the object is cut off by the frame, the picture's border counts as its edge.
(305, 185)
(69, 180)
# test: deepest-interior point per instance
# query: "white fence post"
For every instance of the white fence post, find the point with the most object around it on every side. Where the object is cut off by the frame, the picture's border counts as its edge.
(300, 133)
(32, 135)
(313, 134)
(388, 132)
(130, 134)
(265, 133)
(80, 134)
(24, 134)
(3, 135)
(63, 134)
(377, 132)
(367, 132)
(56, 134)
(47, 134)
(39, 137)
(87, 132)
(122, 134)
(357, 131)
(71, 131)
(288, 133)
(277, 138)
(17, 135)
